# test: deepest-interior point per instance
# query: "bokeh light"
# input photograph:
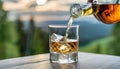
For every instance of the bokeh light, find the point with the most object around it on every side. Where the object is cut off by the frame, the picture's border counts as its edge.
(41, 2)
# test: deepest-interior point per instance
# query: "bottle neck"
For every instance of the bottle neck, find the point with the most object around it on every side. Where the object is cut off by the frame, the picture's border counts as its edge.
(88, 10)
(76, 10)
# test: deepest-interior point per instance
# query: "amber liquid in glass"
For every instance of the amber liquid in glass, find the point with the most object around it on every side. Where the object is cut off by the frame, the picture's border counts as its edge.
(62, 48)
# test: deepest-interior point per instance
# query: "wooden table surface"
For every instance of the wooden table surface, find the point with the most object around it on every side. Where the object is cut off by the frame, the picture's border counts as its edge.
(86, 61)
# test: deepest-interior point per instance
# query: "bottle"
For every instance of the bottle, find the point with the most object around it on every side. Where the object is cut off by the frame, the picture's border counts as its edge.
(107, 12)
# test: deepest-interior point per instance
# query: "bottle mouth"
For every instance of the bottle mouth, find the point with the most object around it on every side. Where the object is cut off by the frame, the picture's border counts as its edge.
(76, 10)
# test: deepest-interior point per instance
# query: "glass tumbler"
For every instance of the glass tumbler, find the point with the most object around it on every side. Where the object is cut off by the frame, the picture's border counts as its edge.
(63, 51)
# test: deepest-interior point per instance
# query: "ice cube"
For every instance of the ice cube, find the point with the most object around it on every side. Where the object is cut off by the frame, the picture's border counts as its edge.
(56, 37)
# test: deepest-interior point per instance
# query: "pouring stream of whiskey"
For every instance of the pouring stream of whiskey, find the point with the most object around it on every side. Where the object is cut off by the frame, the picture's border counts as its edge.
(70, 21)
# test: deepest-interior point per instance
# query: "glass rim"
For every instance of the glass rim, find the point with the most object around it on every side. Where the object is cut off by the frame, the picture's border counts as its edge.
(61, 26)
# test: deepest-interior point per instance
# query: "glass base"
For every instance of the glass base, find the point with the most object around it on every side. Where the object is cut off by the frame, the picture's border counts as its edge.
(64, 58)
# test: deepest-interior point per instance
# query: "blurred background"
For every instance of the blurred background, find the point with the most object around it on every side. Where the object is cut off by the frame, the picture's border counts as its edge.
(24, 28)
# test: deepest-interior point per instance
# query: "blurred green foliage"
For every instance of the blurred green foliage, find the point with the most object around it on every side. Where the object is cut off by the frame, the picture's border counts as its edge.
(32, 40)
(40, 42)
(17, 40)
(8, 37)
(98, 46)
(21, 36)
(108, 45)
